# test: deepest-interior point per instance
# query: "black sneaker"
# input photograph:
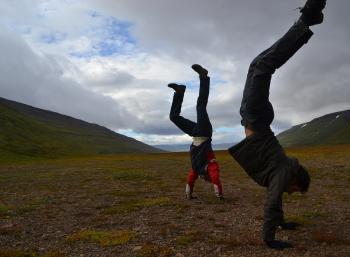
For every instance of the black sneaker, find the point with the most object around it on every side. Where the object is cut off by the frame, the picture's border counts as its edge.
(312, 12)
(200, 70)
(177, 88)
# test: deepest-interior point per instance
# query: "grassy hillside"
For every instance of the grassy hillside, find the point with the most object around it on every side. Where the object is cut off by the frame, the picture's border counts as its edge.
(333, 128)
(28, 131)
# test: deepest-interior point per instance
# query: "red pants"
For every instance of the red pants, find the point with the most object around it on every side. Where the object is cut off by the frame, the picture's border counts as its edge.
(213, 174)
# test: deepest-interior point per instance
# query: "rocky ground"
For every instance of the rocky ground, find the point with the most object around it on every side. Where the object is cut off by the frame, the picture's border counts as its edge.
(134, 205)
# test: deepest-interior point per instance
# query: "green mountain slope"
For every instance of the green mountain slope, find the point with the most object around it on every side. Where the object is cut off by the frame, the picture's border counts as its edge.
(29, 131)
(332, 128)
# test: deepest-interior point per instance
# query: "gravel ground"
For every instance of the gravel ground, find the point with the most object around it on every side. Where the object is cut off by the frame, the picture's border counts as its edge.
(134, 205)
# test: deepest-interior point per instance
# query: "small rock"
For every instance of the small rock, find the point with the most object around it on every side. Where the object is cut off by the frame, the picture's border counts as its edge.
(218, 250)
(137, 248)
(179, 255)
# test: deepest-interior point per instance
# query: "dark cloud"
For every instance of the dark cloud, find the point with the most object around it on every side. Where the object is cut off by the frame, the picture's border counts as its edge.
(223, 35)
(315, 80)
(38, 80)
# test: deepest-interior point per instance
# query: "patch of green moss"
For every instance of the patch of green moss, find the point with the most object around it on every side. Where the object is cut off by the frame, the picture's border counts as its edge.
(120, 193)
(4, 210)
(152, 250)
(181, 207)
(31, 206)
(184, 239)
(10, 230)
(314, 214)
(16, 253)
(133, 205)
(103, 238)
(293, 198)
(305, 218)
(131, 175)
(298, 219)
(54, 254)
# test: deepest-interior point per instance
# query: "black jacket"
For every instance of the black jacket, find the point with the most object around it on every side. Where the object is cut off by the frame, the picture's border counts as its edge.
(199, 156)
(265, 161)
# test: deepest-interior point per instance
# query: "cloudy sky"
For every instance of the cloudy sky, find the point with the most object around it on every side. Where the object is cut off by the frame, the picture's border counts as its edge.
(108, 62)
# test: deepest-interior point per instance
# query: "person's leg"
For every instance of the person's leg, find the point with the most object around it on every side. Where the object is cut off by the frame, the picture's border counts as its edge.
(184, 124)
(191, 179)
(214, 175)
(203, 127)
(256, 109)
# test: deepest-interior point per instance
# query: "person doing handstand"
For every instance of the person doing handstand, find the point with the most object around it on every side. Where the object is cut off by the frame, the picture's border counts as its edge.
(203, 160)
(260, 153)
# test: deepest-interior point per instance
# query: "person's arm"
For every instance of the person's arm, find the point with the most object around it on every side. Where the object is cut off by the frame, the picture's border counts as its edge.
(273, 213)
(273, 216)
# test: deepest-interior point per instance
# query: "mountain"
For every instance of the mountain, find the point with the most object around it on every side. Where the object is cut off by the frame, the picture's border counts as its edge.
(29, 131)
(174, 148)
(186, 147)
(332, 128)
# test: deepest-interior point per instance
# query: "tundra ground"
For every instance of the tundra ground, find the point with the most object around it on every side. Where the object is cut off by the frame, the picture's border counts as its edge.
(134, 205)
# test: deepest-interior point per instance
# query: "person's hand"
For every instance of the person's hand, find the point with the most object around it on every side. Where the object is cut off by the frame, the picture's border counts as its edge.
(278, 245)
(289, 225)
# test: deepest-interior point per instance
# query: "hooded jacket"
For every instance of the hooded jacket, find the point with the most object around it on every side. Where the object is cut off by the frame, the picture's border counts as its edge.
(265, 161)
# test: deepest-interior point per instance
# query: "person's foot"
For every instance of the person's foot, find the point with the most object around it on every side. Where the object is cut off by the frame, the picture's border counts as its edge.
(221, 197)
(312, 12)
(200, 70)
(190, 197)
(177, 88)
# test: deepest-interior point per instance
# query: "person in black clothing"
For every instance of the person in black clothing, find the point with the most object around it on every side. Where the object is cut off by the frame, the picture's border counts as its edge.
(260, 154)
(202, 156)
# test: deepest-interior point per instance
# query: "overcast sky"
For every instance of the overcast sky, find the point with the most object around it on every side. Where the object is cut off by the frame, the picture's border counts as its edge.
(108, 62)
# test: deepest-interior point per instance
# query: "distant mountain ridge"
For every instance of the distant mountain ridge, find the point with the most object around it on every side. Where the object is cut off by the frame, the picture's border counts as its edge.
(333, 128)
(30, 131)
(186, 147)
(330, 129)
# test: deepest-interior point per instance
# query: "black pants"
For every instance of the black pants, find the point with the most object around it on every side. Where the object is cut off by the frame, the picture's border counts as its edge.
(256, 110)
(203, 126)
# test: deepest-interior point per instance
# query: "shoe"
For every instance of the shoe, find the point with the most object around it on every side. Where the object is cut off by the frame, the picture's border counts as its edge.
(177, 88)
(188, 192)
(190, 197)
(312, 12)
(313, 6)
(221, 197)
(200, 70)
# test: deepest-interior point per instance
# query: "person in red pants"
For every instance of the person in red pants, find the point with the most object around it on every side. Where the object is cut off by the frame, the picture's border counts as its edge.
(203, 160)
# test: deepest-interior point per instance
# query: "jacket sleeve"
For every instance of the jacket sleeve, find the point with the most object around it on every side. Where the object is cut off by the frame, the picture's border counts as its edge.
(273, 213)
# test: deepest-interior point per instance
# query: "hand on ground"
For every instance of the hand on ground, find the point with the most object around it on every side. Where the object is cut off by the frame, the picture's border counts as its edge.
(289, 225)
(279, 245)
